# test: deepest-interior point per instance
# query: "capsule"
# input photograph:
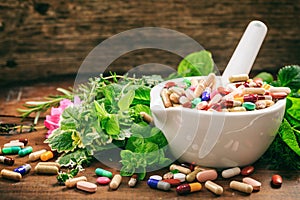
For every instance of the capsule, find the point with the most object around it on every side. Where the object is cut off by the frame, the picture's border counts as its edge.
(228, 173)
(55, 164)
(250, 98)
(213, 187)
(173, 182)
(36, 155)
(11, 175)
(180, 176)
(255, 184)
(103, 172)
(23, 140)
(254, 91)
(168, 175)
(7, 160)
(276, 180)
(242, 187)
(102, 180)
(238, 78)
(206, 94)
(249, 106)
(156, 177)
(46, 156)
(115, 182)
(165, 98)
(180, 169)
(188, 188)
(287, 90)
(24, 169)
(14, 144)
(278, 95)
(237, 109)
(199, 88)
(25, 151)
(11, 150)
(246, 171)
(174, 97)
(46, 169)
(192, 176)
(132, 181)
(86, 186)
(206, 175)
(155, 184)
(70, 183)
(146, 117)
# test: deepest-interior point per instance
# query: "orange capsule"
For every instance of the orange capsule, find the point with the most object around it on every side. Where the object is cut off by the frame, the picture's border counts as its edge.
(47, 156)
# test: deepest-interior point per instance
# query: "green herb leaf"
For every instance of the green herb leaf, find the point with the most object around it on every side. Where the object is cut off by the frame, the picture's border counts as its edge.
(196, 64)
(287, 134)
(79, 156)
(61, 140)
(289, 76)
(112, 125)
(126, 100)
(265, 76)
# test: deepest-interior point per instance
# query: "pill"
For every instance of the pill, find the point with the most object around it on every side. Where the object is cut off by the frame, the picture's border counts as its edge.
(242, 187)
(180, 176)
(192, 176)
(177, 90)
(174, 97)
(156, 184)
(237, 78)
(188, 188)
(46, 169)
(183, 100)
(180, 169)
(23, 140)
(278, 95)
(255, 184)
(213, 187)
(46, 156)
(175, 171)
(206, 94)
(196, 101)
(115, 182)
(237, 109)
(246, 171)
(188, 165)
(170, 84)
(24, 169)
(250, 98)
(25, 151)
(254, 91)
(146, 117)
(269, 103)
(102, 180)
(168, 175)
(156, 177)
(287, 90)
(249, 105)
(103, 172)
(189, 94)
(210, 80)
(11, 150)
(36, 155)
(7, 160)
(173, 182)
(202, 105)
(194, 82)
(8, 174)
(55, 164)
(70, 183)
(228, 173)
(133, 180)
(260, 104)
(207, 175)
(165, 98)
(264, 97)
(199, 88)
(86, 186)
(14, 144)
(276, 180)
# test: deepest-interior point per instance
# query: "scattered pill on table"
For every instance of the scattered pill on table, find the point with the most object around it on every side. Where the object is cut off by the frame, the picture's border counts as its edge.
(115, 182)
(255, 184)
(11, 175)
(206, 175)
(70, 183)
(156, 184)
(228, 173)
(86, 186)
(276, 181)
(103, 172)
(7, 160)
(102, 180)
(24, 169)
(46, 169)
(156, 177)
(192, 176)
(168, 175)
(47, 156)
(246, 171)
(180, 176)
(214, 188)
(180, 169)
(34, 156)
(14, 144)
(188, 188)
(133, 180)
(25, 151)
(23, 140)
(11, 150)
(173, 182)
(242, 187)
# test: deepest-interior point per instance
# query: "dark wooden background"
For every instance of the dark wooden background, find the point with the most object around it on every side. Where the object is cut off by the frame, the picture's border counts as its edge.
(43, 39)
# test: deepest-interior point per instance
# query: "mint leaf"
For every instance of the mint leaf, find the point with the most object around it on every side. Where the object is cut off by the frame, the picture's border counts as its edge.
(78, 156)
(112, 125)
(126, 100)
(134, 142)
(288, 136)
(196, 64)
(289, 76)
(142, 96)
(61, 141)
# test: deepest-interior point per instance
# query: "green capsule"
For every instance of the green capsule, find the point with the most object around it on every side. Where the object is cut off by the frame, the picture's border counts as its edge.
(11, 150)
(249, 105)
(103, 172)
(25, 151)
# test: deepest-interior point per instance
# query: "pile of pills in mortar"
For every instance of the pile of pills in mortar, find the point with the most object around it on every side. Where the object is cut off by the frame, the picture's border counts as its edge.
(241, 94)
(186, 178)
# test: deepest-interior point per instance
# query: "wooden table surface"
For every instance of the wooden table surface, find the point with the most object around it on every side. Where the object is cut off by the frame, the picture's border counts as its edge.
(34, 186)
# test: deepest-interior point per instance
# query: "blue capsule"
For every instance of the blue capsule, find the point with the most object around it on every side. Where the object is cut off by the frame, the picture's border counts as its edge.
(206, 94)
(156, 184)
(24, 169)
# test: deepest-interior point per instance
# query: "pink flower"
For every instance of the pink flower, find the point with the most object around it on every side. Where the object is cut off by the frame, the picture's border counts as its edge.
(52, 120)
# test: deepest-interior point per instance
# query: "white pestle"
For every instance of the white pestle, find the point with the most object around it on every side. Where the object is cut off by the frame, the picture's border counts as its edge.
(246, 51)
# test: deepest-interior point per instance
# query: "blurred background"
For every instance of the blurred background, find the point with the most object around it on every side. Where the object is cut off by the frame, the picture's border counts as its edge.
(41, 40)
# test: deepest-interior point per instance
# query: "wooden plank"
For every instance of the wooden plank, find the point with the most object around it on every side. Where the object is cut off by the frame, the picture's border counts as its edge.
(48, 38)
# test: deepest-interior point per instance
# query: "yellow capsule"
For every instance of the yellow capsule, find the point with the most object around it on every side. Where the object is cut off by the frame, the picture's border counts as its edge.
(238, 78)
(237, 109)
(213, 187)
(254, 91)
(266, 86)
(47, 156)
(45, 169)
(115, 182)
(242, 187)
(240, 99)
(192, 176)
(11, 175)
(56, 164)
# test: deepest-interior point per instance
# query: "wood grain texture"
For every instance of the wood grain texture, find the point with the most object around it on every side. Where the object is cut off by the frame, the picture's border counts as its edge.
(42, 39)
